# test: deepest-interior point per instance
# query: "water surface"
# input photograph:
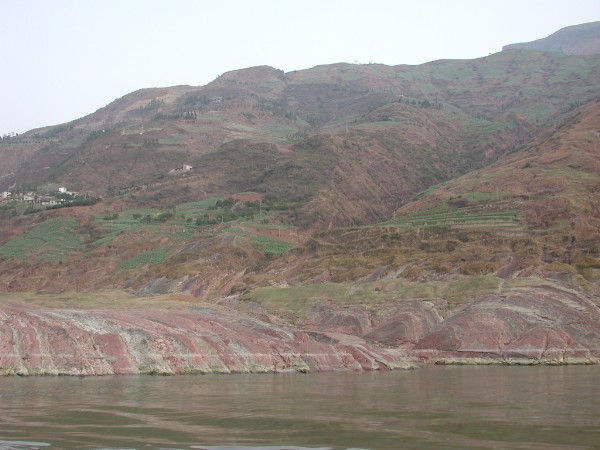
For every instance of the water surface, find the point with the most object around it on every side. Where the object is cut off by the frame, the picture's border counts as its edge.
(434, 407)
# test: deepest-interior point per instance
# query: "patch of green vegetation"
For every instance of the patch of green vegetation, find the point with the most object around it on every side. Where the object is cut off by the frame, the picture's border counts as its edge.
(49, 187)
(262, 226)
(458, 218)
(148, 221)
(486, 126)
(157, 256)
(591, 274)
(560, 225)
(472, 287)
(482, 196)
(53, 240)
(208, 117)
(279, 131)
(270, 245)
(568, 173)
(93, 300)
(298, 298)
(302, 123)
(195, 209)
(192, 128)
(430, 190)
(175, 139)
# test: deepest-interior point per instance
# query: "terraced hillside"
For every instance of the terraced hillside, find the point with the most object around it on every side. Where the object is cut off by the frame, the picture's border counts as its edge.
(314, 176)
(534, 212)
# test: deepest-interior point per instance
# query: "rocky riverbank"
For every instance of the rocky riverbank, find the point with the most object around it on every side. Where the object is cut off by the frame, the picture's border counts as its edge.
(532, 325)
(156, 341)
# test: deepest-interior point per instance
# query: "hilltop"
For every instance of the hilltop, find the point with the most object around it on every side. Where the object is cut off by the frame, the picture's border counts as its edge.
(581, 39)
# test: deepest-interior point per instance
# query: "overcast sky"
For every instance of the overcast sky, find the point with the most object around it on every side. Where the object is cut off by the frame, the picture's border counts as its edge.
(63, 59)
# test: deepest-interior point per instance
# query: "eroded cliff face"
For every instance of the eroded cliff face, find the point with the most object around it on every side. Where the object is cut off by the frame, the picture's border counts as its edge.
(399, 324)
(526, 325)
(159, 341)
(543, 325)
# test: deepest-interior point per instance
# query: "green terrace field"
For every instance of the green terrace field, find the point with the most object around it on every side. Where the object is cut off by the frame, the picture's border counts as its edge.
(53, 240)
(260, 242)
(146, 236)
(461, 218)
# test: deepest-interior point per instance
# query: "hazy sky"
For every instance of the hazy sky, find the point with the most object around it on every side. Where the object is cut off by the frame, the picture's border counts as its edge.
(63, 59)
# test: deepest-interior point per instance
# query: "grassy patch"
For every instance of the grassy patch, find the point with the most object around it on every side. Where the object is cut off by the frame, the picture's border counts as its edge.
(259, 242)
(472, 287)
(270, 245)
(176, 139)
(195, 209)
(95, 300)
(262, 226)
(157, 256)
(279, 131)
(53, 240)
(296, 299)
(458, 219)
(485, 126)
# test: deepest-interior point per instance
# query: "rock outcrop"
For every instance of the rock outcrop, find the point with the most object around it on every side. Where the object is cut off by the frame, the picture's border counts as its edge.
(543, 325)
(168, 341)
(399, 324)
(533, 323)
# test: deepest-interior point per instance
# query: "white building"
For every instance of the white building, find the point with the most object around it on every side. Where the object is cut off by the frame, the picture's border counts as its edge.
(4, 195)
(184, 168)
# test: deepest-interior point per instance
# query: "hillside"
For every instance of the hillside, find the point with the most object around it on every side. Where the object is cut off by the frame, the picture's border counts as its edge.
(329, 147)
(581, 39)
(340, 144)
(533, 212)
(380, 208)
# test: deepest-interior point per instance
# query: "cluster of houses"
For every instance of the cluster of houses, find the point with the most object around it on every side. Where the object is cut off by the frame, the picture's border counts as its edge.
(62, 195)
(181, 169)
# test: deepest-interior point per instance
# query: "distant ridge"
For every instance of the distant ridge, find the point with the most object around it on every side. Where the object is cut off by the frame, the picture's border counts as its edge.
(581, 39)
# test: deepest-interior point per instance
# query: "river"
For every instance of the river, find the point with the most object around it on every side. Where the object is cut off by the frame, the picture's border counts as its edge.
(434, 407)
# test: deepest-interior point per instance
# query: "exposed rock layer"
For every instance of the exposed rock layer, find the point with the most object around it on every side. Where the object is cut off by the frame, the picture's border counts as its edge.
(529, 325)
(191, 340)
(547, 325)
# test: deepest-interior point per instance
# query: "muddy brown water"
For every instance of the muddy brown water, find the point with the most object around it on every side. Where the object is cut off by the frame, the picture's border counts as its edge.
(433, 407)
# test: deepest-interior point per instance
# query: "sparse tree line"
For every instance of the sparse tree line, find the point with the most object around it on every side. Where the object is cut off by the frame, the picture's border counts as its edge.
(8, 137)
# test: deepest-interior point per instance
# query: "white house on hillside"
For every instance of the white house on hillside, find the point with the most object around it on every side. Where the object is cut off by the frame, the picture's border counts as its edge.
(184, 168)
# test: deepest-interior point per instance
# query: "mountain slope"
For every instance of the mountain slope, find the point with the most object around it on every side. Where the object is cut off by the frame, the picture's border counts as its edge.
(386, 133)
(533, 212)
(345, 216)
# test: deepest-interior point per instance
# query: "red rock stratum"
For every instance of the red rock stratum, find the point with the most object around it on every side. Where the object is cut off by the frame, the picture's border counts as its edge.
(195, 339)
(536, 325)
(537, 322)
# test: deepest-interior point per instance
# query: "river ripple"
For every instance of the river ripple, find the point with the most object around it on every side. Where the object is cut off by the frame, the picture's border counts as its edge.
(433, 407)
